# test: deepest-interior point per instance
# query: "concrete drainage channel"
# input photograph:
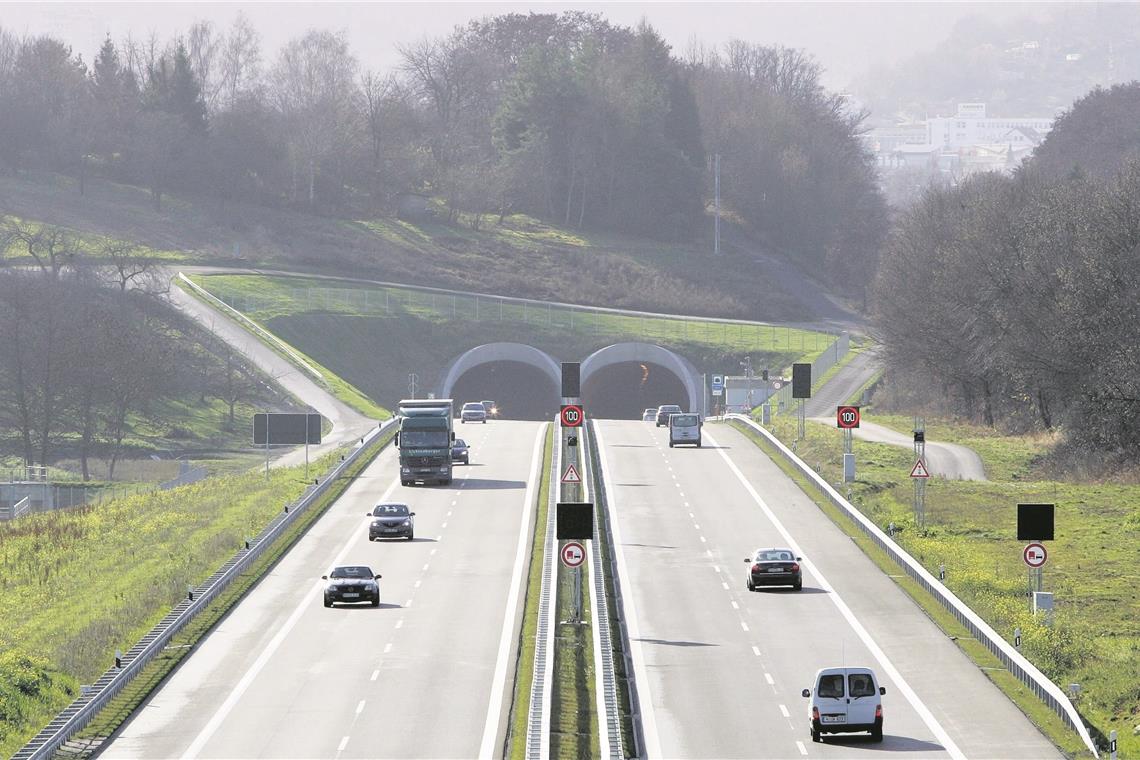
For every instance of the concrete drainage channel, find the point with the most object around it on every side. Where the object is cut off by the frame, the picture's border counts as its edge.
(84, 709)
(559, 642)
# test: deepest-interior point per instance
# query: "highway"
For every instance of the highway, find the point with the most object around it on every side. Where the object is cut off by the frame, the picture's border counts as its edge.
(428, 674)
(720, 669)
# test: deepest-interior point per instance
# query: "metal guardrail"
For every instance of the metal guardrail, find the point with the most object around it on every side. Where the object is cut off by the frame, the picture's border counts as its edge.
(610, 718)
(1025, 671)
(538, 714)
(79, 713)
(19, 509)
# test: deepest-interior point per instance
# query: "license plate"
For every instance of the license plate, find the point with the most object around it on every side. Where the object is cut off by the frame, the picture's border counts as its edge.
(391, 530)
(350, 595)
(833, 719)
(775, 569)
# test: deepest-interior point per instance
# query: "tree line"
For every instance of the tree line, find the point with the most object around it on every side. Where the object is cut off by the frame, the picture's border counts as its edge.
(1017, 299)
(564, 117)
(85, 351)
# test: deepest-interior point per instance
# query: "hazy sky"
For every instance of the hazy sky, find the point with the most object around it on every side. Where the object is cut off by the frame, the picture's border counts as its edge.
(845, 37)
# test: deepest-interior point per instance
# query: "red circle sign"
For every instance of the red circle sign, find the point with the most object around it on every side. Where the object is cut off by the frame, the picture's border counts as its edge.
(573, 554)
(572, 415)
(847, 417)
(1035, 555)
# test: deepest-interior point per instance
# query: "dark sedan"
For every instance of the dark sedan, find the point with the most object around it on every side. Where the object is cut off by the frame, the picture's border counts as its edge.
(351, 584)
(460, 452)
(774, 567)
(391, 521)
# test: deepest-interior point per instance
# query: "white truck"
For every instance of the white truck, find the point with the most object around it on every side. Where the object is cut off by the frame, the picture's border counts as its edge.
(424, 441)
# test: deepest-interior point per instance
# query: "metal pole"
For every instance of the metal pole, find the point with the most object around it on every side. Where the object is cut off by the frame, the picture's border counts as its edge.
(716, 202)
(267, 445)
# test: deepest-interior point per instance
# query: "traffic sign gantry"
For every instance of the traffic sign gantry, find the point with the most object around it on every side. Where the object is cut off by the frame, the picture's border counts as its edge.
(571, 415)
(573, 554)
(847, 417)
(1035, 555)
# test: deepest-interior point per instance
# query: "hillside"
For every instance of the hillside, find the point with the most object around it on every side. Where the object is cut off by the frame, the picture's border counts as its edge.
(518, 257)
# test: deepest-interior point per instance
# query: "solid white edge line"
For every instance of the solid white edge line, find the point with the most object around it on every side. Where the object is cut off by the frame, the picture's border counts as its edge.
(499, 680)
(888, 666)
(641, 676)
(266, 654)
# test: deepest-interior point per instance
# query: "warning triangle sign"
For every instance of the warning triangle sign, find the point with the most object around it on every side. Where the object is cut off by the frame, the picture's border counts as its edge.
(919, 470)
(571, 475)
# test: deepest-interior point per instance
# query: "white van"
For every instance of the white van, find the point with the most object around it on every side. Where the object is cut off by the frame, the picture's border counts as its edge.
(846, 700)
(684, 428)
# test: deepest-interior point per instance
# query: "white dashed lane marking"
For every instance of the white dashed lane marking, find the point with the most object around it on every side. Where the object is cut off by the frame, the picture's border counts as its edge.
(784, 712)
(768, 678)
(724, 585)
(342, 745)
(360, 707)
(375, 675)
(388, 647)
(744, 625)
(756, 650)
(800, 746)
(400, 623)
(735, 606)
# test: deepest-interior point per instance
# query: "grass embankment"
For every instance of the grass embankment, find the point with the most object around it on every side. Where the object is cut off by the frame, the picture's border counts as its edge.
(971, 528)
(358, 329)
(77, 585)
(519, 255)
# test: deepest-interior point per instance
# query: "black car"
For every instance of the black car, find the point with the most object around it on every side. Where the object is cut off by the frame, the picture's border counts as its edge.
(391, 520)
(774, 567)
(351, 584)
(663, 413)
(459, 451)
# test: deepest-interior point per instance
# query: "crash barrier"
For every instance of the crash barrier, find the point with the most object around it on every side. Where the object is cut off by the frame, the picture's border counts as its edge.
(1025, 671)
(94, 698)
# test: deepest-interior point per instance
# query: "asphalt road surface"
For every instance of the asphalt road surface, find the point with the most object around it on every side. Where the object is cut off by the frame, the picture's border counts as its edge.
(425, 675)
(720, 669)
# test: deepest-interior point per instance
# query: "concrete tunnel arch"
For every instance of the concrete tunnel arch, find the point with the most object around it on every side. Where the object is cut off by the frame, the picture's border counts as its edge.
(500, 352)
(620, 353)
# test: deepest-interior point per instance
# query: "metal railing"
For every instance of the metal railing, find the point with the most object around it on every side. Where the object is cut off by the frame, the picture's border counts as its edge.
(538, 714)
(1025, 671)
(80, 712)
(19, 509)
(610, 719)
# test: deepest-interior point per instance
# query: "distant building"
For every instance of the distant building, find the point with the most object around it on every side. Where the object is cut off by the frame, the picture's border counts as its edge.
(971, 126)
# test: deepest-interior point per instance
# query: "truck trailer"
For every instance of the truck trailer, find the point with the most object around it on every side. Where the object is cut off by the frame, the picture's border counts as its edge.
(424, 441)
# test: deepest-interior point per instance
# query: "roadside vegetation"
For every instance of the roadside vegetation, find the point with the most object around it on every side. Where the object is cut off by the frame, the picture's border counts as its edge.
(1094, 639)
(135, 557)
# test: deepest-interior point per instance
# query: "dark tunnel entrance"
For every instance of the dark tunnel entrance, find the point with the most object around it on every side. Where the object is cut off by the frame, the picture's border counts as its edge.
(622, 391)
(521, 391)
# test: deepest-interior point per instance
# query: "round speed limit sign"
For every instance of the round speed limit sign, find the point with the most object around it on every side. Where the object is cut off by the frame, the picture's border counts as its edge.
(571, 415)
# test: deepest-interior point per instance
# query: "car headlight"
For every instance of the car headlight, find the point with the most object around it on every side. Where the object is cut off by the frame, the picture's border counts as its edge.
(408, 521)
(405, 469)
(371, 585)
(377, 524)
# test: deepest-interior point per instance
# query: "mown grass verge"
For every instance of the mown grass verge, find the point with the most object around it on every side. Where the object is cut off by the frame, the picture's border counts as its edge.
(136, 557)
(524, 665)
(970, 529)
(374, 336)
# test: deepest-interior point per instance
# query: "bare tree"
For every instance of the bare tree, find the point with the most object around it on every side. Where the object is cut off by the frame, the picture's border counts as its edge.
(314, 85)
(49, 246)
(204, 49)
(240, 60)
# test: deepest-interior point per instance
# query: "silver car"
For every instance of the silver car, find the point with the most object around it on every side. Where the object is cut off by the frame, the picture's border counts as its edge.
(473, 411)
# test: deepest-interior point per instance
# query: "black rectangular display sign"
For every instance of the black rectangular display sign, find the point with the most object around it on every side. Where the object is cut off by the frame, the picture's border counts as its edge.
(571, 380)
(286, 428)
(801, 381)
(575, 520)
(1035, 522)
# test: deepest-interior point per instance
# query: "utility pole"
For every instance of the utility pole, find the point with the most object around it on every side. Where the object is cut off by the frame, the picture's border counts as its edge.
(747, 364)
(716, 204)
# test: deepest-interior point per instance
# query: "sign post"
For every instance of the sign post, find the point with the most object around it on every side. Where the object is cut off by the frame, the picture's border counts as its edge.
(801, 389)
(919, 474)
(573, 555)
(847, 419)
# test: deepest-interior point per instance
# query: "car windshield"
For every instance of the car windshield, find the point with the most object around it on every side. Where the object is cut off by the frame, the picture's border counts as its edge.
(351, 571)
(473, 407)
(413, 438)
(390, 510)
(775, 555)
(673, 409)
(683, 420)
(459, 443)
